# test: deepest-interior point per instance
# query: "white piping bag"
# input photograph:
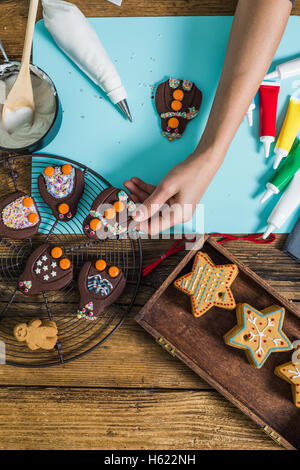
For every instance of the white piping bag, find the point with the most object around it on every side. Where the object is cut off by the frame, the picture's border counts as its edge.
(79, 41)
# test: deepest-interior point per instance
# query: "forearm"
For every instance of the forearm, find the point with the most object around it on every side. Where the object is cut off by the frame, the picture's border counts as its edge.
(256, 32)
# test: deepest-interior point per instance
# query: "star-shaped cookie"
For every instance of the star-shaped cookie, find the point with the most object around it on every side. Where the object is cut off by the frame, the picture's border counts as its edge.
(290, 372)
(258, 333)
(208, 285)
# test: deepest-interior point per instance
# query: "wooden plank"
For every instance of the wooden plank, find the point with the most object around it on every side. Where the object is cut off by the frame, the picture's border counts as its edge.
(198, 341)
(123, 419)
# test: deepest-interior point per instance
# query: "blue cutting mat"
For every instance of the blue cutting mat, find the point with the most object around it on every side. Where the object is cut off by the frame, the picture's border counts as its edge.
(147, 51)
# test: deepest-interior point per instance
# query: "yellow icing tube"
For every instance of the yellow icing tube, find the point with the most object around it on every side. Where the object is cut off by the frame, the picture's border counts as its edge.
(289, 131)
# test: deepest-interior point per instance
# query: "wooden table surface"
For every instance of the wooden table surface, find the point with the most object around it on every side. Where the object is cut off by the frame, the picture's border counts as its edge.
(130, 394)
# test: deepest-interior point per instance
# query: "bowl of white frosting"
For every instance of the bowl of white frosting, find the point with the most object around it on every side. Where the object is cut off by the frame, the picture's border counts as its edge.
(47, 115)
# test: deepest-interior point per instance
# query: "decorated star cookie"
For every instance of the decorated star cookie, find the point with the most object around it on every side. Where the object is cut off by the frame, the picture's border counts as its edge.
(47, 269)
(290, 372)
(100, 285)
(177, 102)
(61, 187)
(20, 217)
(208, 285)
(37, 334)
(110, 215)
(258, 333)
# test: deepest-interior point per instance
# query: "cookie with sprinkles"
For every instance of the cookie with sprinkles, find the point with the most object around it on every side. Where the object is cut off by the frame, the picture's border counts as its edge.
(208, 285)
(258, 333)
(177, 102)
(290, 372)
(100, 284)
(20, 217)
(110, 215)
(61, 187)
(48, 268)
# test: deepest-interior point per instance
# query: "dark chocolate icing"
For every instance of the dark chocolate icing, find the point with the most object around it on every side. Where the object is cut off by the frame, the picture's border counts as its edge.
(15, 214)
(98, 288)
(70, 201)
(46, 270)
(182, 95)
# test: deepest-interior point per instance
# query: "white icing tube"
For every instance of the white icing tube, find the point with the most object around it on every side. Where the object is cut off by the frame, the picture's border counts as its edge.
(286, 205)
(78, 40)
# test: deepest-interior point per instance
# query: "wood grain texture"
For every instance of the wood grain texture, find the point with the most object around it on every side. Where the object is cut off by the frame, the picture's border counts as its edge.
(130, 393)
(120, 419)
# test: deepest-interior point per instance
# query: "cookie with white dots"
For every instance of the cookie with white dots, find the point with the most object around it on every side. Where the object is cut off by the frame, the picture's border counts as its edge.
(100, 284)
(20, 217)
(48, 268)
(61, 187)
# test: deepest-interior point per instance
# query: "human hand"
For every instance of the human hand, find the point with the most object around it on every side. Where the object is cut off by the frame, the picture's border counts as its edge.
(175, 199)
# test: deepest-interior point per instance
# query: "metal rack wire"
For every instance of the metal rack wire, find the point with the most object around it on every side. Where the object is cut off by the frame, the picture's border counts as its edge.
(77, 337)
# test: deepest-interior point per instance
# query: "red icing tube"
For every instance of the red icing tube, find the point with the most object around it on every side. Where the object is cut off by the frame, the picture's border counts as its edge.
(268, 99)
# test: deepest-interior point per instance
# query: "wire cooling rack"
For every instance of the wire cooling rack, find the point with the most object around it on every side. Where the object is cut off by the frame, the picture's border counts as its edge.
(76, 336)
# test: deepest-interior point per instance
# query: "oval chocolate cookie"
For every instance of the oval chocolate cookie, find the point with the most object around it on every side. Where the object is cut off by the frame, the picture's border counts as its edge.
(47, 269)
(61, 187)
(20, 217)
(110, 214)
(177, 102)
(100, 285)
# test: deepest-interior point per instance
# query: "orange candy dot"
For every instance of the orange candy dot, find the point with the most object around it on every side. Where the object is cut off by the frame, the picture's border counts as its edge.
(178, 95)
(56, 252)
(119, 206)
(110, 213)
(49, 171)
(66, 169)
(63, 208)
(100, 264)
(64, 263)
(28, 202)
(176, 105)
(33, 218)
(173, 123)
(95, 224)
(113, 271)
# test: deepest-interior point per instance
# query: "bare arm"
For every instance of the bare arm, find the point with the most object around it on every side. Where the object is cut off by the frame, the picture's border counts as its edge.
(256, 32)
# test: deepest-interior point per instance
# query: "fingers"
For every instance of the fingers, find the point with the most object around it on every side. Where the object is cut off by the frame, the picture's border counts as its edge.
(148, 188)
(166, 218)
(162, 193)
(136, 192)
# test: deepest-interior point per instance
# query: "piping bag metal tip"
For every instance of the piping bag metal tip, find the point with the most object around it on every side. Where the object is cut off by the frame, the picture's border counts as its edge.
(123, 105)
(6, 59)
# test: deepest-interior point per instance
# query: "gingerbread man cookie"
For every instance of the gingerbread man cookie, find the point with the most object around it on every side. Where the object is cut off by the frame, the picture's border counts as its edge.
(37, 334)
(259, 333)
(208, 285)
(100, 285)
(177, 102)
(61, 187)
(19, 217)
(47, 269)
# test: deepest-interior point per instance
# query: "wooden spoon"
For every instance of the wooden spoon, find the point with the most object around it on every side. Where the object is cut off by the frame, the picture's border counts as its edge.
(19, 105)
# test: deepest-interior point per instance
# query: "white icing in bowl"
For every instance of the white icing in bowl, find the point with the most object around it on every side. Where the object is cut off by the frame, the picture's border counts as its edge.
(45, 111)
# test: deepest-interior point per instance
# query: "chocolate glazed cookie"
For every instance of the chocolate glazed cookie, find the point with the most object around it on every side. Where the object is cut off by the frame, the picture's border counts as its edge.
(110, 214)
(100, 285)
(61, 187)
(20, 217)
(47, 269)
(177, 102)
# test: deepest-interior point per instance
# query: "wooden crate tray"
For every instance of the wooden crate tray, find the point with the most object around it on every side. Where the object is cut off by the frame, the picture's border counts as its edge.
(198, 342)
